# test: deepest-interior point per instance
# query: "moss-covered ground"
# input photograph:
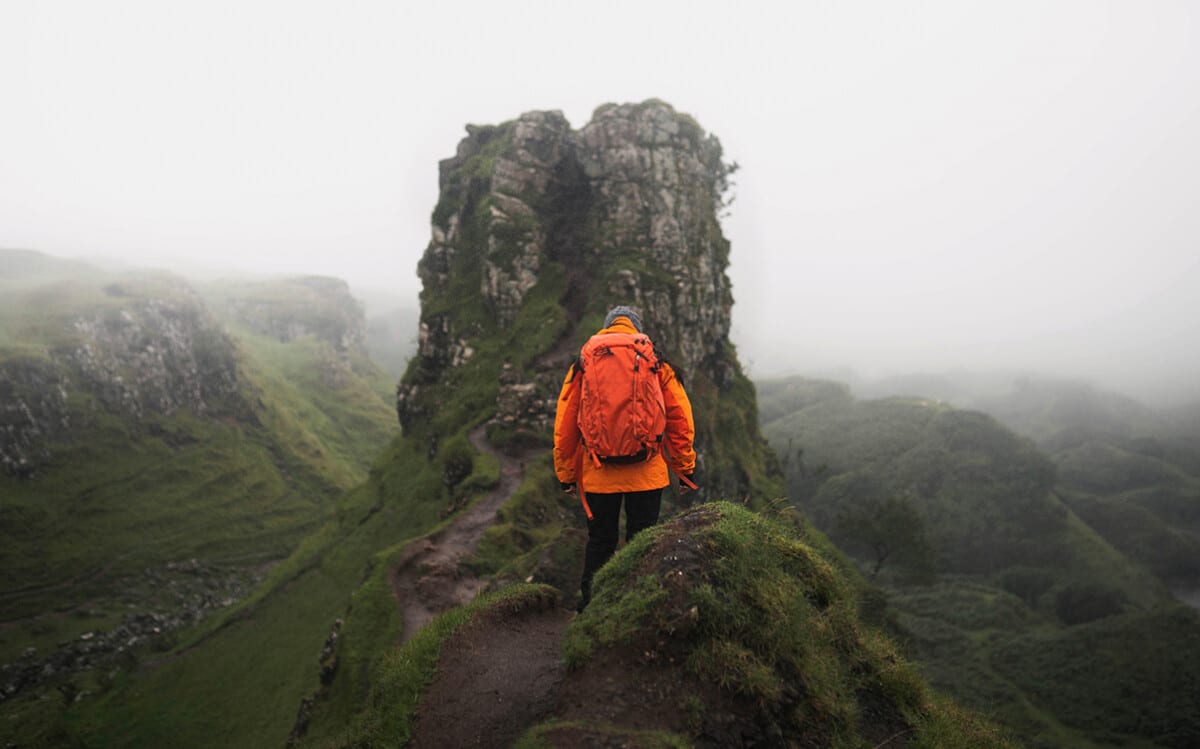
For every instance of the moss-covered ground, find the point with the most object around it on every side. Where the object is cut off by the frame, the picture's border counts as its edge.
(727, 598)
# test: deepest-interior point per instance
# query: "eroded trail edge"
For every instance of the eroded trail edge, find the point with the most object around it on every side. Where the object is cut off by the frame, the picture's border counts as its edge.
(429, 578)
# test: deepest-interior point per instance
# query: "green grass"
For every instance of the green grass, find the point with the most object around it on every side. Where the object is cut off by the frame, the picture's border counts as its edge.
(1136, 674)
(238, 679)
(124, 502)
(254, 481)
(531, 518)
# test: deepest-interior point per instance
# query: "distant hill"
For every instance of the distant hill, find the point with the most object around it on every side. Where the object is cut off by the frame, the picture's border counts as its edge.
(1131, 471)
(161, 448)
(991, 555)
(19, 267)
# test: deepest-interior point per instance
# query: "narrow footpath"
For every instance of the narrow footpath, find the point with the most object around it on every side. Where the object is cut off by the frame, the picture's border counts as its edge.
(429, 578)
(498, 675)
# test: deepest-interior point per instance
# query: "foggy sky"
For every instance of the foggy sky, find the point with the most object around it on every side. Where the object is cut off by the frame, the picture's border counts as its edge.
(922, 186)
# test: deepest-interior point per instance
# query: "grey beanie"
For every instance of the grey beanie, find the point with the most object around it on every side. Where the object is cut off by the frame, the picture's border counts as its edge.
(623, 311)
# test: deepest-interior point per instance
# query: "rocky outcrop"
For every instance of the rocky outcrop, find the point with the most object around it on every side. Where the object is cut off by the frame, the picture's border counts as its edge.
(190, 590)
(657, 182)
(33, 410)
(155, 355)
(149, 348)
(538, 230)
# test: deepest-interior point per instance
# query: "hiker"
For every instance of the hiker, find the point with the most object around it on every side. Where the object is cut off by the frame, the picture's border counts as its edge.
(622, 417)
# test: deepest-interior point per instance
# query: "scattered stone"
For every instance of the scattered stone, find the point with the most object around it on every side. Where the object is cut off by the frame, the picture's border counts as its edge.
(205, 589)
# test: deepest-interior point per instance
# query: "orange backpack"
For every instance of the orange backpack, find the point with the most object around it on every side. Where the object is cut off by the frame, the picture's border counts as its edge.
(621, 412)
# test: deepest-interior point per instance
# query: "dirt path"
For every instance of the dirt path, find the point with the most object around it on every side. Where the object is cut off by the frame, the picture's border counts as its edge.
(428, 579)
(497, 676)
(501, 672)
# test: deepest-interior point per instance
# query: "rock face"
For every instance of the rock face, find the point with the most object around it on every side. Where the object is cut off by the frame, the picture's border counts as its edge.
(135, 355)
(33, 409)
(155, 355)
(658, 182)
(538, 230)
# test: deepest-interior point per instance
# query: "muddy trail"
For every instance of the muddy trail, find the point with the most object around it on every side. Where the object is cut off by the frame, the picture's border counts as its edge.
(500, 673)
(429, 577)
(497, 676)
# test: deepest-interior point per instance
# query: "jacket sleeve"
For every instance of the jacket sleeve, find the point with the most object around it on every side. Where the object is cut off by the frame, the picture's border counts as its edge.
(681, 429)
(566, 430)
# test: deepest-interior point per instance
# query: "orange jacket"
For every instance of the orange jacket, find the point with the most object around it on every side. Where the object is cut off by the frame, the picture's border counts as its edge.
(610, 478)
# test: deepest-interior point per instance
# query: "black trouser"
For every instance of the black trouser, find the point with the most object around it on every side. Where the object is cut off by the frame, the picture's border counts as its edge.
(641, 511)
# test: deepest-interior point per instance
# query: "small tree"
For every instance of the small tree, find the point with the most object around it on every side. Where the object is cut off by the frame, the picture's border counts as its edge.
(889, 531)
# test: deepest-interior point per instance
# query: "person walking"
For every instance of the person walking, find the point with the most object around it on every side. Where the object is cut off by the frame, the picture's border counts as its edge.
(623, 420)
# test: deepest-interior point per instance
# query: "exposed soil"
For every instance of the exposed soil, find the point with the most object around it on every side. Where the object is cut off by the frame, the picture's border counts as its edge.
(497, 676)
(504, 673)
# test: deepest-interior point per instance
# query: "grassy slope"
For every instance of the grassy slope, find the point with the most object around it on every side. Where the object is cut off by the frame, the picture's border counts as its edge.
(178, 486)
(265, 658)
(1131, 472)
(237, 680)
(120, 497)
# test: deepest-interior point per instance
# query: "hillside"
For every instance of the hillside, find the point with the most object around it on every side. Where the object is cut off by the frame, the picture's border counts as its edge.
(1132, 472)
(159, 456)
(1006, 594)
(538, 230)
(720, 628)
